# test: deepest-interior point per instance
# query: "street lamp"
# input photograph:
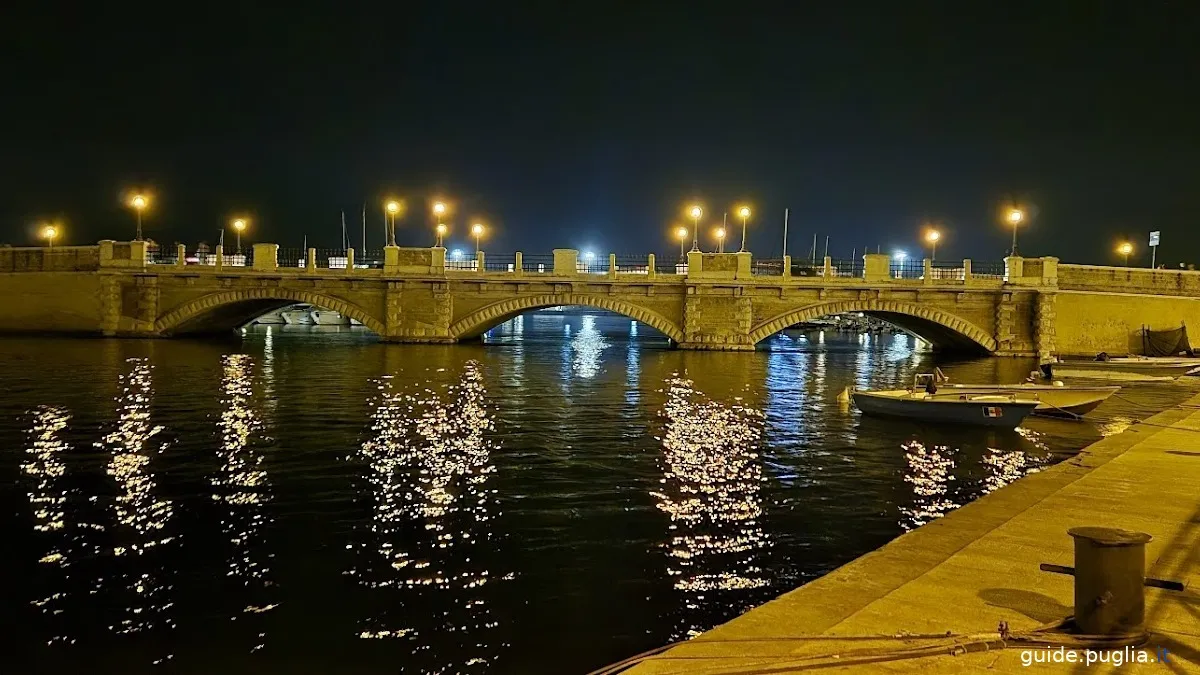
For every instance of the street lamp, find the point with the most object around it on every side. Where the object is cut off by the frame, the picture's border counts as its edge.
(1125, 249)
(743, 213)
(682, 233)
(239, 224)
(695, 212)
(139, 202)
(720, 234)
(477, 230)
(441, 232)
(932, 236)
(49, 232)
(1015, 217)
(392, 208)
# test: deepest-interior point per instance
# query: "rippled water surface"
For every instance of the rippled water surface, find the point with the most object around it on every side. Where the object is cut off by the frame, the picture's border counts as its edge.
(307, 500)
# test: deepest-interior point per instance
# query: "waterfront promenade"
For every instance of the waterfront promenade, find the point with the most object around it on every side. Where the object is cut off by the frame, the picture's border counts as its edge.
(977, 567)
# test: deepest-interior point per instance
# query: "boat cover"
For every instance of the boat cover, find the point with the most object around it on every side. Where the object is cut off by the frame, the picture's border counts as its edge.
(1166, 342)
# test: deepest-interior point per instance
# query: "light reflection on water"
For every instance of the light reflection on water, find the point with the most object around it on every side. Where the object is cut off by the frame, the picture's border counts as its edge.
(710, 488)
(242, 487)
(142, 516)
(428, 462)
(568, 495)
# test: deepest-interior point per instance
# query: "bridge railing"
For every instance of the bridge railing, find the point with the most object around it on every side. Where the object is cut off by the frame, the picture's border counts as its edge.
(538, 263)
(767, 267)
(292, 258)
(368, 259)
(842, 267)
(948, 270)
(908, 269)
(988, 269)
(162, 255)
(633, 264)
(463, 264)
(670, 264)
(499, 263)
(593, 266)
(332, 258)
(56, 259)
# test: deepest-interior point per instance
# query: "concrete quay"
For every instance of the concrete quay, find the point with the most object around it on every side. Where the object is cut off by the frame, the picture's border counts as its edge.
(978, 566)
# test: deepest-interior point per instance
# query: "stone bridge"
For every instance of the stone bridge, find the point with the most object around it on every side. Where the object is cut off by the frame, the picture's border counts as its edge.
(1032, 306)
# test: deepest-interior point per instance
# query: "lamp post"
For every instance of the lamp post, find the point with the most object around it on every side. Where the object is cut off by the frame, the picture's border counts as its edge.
(139, 202)
(477, 230)
(695, 213)
(441, 232)
(1125, 249)
(49, 232)
(932, 236)
(392, 207)
(681, 233)
(744, 213)
(720, 234)
(239, 224)
(1015, 217)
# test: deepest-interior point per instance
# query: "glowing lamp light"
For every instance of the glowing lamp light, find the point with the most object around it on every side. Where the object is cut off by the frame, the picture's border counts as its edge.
(239, 224)
(682, 233)
(1015, 216)
(933, 236)
(744, 212)
(1125, 249)
(477, 229)
(439, 208)
(696, 212)
(139, 202)
(393, 207)
(442, 229)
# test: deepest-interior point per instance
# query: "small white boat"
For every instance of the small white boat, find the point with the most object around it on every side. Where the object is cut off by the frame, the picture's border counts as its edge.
(272, 318)
(1055, 400)
(297, 315)
(1128, 367)
(328, 317)
(984, 410)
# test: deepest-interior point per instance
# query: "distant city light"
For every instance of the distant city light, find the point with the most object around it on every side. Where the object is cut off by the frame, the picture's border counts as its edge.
(900, 255)
(588, 255)
(456, 254)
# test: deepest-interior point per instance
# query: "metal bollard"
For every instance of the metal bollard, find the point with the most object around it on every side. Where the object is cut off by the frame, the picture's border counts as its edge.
(1110, 570)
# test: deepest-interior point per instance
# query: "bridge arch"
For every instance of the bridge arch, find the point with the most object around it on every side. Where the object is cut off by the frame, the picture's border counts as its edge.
(231, 309)
(946, 325)
(484, 319)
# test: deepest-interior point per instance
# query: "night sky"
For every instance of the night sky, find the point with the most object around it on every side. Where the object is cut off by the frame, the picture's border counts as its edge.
(591, 125)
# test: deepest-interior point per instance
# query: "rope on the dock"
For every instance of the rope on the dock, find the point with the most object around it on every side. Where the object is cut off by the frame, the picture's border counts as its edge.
(1049, 635)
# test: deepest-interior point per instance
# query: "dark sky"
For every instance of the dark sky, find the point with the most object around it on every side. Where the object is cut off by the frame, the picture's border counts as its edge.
(591, 125)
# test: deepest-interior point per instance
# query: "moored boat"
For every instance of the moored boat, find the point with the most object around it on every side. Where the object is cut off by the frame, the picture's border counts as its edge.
(1128, 367)
(986, 410)
(328, 317)
(275, 317)
(298, 315)
(1053, 400)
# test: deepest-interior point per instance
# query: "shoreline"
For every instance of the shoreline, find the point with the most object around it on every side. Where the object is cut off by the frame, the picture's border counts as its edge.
(977, 566)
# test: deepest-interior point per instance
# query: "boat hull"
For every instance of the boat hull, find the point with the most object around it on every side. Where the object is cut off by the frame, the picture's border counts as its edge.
(328, 317)
(1126, 368)
(296, 317)
(271, 318)
(989, 411)
(1052, 401)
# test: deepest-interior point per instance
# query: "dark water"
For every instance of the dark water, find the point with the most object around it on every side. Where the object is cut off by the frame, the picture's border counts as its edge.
(311, 501)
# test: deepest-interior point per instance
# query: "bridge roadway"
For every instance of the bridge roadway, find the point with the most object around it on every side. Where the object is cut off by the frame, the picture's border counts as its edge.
(1036, 307)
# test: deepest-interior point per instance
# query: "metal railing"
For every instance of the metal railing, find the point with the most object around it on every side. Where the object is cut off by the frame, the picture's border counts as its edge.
(232, 257)
(847, 268)
(907, 269)
(948, 269)
(767, 267)
(633, 264)
(670, 264)
(292, 258)
(499, 263)
(594, 266)
(988, 269)
(368, 259)
(463, 264)
(331, 258)
(538, 263)
(162, 255)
